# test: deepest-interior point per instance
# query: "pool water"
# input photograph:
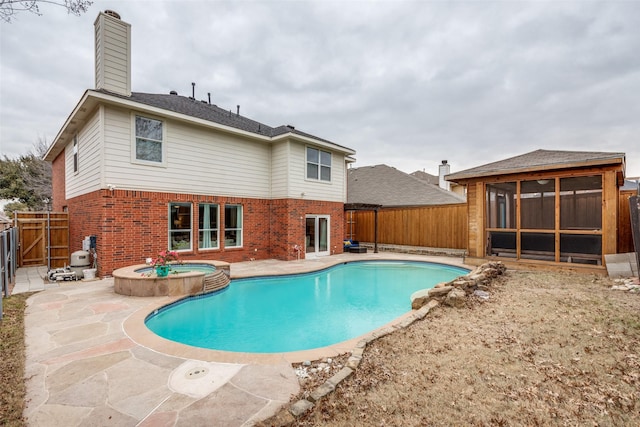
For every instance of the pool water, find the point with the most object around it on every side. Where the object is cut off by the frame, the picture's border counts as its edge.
(299, 312)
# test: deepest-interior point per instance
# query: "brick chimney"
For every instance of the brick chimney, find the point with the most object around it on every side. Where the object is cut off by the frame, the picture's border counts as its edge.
(113, 53)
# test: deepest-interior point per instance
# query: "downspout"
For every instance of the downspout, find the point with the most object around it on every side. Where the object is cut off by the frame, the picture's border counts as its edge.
(48, 240)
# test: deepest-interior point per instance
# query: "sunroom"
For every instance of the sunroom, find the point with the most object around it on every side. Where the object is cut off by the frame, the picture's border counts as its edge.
(545, 208)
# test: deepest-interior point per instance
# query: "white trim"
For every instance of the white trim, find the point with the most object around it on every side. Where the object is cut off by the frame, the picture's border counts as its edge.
(319, 164)
(317, 253)
(241, 228)
(75, 154)
(170, 229)
(213, 248)
(134, 141)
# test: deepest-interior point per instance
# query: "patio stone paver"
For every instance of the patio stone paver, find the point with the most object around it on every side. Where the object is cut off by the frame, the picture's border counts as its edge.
(227, 406)
(52, 415)
(90, 392)
(91, 361)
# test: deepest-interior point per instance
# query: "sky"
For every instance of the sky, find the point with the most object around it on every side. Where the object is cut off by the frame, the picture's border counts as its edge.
(404, 83)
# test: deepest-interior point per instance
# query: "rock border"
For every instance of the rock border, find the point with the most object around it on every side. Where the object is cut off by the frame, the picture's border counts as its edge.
(454, 293)
(302, 406)
(448, 293)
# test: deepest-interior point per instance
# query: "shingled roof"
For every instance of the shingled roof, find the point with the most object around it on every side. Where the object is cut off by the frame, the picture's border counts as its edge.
(178, 105)
(539, 160)
(426, 177)
(387, 186)
(210, 112)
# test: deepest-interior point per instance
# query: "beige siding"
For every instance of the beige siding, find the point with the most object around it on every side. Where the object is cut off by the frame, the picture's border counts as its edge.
(279, 170)
(113, 55)
(198, 161)
(89, 159)
(333, 191)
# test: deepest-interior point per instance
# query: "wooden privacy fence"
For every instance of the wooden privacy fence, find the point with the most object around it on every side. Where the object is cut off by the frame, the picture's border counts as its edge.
(625, 235)
(442, 226)
(44, 238)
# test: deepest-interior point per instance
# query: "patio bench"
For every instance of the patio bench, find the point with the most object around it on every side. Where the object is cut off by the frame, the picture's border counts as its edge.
(353, 246)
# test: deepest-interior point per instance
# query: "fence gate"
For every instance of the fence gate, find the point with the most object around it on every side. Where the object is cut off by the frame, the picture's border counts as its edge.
(44, 238)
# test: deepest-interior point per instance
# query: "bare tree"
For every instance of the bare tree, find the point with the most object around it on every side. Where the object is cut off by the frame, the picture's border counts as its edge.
(8, 8)
(27, 179)
(37, 174)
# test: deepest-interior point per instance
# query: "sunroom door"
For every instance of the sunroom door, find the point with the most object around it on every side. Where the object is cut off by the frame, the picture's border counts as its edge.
(317, 232)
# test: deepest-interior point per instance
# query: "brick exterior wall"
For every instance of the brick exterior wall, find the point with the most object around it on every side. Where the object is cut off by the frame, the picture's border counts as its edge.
(58, 184)
(132, 225)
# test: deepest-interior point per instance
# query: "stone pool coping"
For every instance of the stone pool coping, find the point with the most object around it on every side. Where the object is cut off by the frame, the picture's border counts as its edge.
(134, 326)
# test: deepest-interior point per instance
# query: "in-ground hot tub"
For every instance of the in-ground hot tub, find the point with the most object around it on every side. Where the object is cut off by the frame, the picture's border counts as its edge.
(188, 278)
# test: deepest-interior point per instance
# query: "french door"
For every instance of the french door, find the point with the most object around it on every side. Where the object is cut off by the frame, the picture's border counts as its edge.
(317, 232)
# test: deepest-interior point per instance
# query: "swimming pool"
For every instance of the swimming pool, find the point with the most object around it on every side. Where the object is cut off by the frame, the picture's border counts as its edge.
(299, 312)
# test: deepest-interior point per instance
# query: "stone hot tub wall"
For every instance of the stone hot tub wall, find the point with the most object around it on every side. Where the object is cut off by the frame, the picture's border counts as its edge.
(126, 281)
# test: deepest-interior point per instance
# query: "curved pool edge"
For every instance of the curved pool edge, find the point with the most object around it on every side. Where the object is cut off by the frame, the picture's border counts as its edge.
(127, 281)
(135, 328)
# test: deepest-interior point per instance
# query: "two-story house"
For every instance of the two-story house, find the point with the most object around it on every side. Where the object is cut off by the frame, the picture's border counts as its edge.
(145, 172)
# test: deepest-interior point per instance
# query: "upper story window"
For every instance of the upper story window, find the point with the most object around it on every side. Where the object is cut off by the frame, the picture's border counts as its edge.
(318, 164)
(75, 154)
(149, 140)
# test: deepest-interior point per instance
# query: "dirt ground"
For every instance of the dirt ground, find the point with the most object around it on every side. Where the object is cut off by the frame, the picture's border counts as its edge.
(544, 349)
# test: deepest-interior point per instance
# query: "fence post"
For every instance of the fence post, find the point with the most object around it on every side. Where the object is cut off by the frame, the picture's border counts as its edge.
(4, 287)
(634, 208)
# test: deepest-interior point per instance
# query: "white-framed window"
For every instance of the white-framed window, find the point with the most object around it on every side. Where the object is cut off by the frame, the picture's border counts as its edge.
(208, 219)
(233, 226)
(180, 232)
(75, 154)
(318, 164)
(148, 147)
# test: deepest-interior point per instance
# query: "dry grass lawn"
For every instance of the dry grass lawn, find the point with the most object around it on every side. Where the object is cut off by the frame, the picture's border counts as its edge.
(545, 349)
(12, 358)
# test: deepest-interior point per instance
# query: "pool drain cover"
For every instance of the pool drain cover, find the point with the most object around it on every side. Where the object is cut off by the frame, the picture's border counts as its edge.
(196, 373)
(197, 378)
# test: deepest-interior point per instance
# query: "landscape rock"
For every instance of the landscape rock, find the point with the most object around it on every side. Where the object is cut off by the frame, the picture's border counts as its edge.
(456, 298)
(300, 407)
(477, 280)
(420, 298)
(321, 391)
(436, 292)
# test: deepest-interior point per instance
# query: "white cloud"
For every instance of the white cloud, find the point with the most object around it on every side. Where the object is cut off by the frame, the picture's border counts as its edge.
(404, 83)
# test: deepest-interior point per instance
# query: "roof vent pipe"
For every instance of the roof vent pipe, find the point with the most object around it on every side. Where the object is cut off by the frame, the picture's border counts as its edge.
(209, 95)
(193, 90)
(238, 111)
